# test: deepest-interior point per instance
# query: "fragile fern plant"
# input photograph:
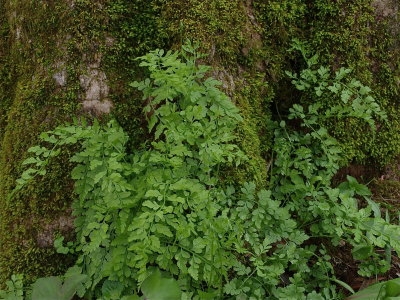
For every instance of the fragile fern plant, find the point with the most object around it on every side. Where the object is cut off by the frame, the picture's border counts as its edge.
(307, 160)
(163, 211)
(161, 204)
(337, 95)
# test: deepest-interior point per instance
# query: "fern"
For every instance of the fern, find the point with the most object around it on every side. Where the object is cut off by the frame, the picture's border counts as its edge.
(164, 206)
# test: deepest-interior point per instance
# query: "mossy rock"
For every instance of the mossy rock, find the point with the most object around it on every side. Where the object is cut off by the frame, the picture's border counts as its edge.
(246, 43)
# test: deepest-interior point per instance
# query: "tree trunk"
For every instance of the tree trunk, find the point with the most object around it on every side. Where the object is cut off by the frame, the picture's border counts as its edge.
(62, 59)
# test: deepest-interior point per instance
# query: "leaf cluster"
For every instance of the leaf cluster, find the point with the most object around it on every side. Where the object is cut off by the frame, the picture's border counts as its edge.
(161, 221)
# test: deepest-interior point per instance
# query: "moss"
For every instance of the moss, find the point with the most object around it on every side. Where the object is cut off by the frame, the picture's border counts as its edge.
(6, 70)
(343, 33)
(24, 216)
(254, 138)
(33, 103)
(134, 29)
(368, 49)
(246, 41)
(387, 194)
(218, 24)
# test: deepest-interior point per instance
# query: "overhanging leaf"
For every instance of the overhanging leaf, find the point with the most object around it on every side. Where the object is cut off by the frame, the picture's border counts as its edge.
(47, 288)
(155, 287)
(382, 290)
(361, 252)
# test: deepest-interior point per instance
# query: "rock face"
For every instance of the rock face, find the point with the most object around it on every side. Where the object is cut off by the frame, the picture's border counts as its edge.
(95, 89)
(62, 59)
(386, 8)
(48, 74)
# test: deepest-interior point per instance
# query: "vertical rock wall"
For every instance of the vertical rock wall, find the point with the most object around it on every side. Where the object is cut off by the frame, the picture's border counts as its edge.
(61, 59)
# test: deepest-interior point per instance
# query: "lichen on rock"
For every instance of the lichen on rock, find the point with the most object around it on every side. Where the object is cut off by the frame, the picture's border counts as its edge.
(95, 89)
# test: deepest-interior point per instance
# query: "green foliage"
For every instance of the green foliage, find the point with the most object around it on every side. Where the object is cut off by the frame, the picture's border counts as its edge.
(340, 96)
(50, 288)
(58, 244)
(343, 32)
(155, 287)
(350, 34)
(153, 187)
(348, 99)
(169, 193)
(166, 206)
(47, 288)
(380, 291)
(14, 289)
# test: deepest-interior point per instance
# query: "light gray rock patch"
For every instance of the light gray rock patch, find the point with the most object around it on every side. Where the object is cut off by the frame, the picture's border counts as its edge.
(386, 8)
(61, 77)
(94, 83)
